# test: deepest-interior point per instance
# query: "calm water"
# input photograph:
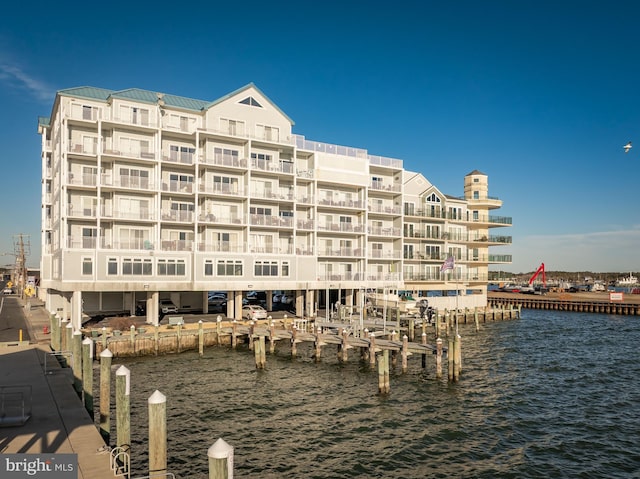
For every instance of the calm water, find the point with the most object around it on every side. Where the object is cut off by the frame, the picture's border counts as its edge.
(555, 394)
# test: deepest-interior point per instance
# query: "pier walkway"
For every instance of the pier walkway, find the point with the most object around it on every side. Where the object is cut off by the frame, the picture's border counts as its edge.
(54, 419)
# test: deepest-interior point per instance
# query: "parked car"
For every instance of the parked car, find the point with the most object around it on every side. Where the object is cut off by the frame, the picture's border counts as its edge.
(286, 299)
(7, 291)
(253, 312)
(167, 306)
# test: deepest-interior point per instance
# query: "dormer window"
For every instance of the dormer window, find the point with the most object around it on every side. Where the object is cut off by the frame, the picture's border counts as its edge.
(251, 102)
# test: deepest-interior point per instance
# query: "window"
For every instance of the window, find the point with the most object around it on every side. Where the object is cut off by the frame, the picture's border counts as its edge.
(232, 127)
(226, 156)
(376, 182)
(251, 102)
(266, 268)
(171, 267)
(285, 268)
(208, 268)
(89, 237)
(181, 154)
(225, 184)
(269, 133)
(87, 266)
(254, 210)
(112, 266)
(229, 268)
(476, 195)
(136, 266)
(134, 178)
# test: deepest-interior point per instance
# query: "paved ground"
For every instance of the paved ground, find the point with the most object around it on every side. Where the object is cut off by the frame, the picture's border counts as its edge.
(56, 420)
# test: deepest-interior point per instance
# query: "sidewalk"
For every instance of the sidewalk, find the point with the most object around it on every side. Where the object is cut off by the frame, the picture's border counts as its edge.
(57, 420)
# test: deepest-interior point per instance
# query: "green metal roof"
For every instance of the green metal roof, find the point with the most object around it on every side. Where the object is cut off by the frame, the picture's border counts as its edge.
(152, 97)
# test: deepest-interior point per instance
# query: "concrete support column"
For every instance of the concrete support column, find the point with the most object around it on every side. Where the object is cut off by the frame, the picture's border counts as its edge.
(269, 305)
(299, 295)
(153, 308)
(237, 305)
(205, 302)
(76, 310)
(311, 304)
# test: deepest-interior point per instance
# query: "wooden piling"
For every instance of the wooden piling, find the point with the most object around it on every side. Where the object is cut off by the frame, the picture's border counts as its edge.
(263, 353)
(394, 353)
(294, 341)
(200, 338)
(252, 328)
(156, 339)
(76, 349)
(412, 326)
(87, 375)
(220, 456)
(234, 334)
(272, 336)
(157, 403)
(387, 384)
(456, 357)
(105, 394)
(345, 347)
(451, 357)
(257, 355)
(123, 414)
(475, 319)
(372, 349)
(318, 344)
(424, 355)
(439, 358)
(405, 353)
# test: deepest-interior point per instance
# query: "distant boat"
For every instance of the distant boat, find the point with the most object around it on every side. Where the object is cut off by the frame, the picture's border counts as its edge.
(630, 280)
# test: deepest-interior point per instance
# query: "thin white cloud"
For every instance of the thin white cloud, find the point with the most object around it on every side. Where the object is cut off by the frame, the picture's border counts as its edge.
(15, 78)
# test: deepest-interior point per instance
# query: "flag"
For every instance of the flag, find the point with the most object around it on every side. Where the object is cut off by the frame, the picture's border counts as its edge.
(448, 264)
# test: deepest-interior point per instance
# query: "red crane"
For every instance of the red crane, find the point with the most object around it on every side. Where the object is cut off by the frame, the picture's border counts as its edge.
(535, 275)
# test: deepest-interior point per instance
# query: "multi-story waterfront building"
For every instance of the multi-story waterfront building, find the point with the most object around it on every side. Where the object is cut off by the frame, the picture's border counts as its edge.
(148, 196)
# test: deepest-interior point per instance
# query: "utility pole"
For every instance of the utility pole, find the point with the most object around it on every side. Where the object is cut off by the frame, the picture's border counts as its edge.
(21, 249)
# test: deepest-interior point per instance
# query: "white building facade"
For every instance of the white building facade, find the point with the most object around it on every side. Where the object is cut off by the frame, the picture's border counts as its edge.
(147, 196)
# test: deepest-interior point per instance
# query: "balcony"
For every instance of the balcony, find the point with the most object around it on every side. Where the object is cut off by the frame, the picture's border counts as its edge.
(353, 204)
(271, 249)
(285, 195)
(385, 187)
(274, 166)
(221, 247)
(84, 149)
(176, 186)
(144, 214)
(77, 211)
(179, 216)
(264, 220)
(83, 179)
(134, 244)
(231, 161)
(82, 242)
(181, 157)
(127, 181)
(305, 225)
(129, 153)
(383, 231)
(220, 189)
(342, 228)
(384, 254)
(341, 252)
(387, 210)
(176, 245)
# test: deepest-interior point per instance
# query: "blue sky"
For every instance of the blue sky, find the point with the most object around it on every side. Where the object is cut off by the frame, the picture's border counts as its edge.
(541, 96)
